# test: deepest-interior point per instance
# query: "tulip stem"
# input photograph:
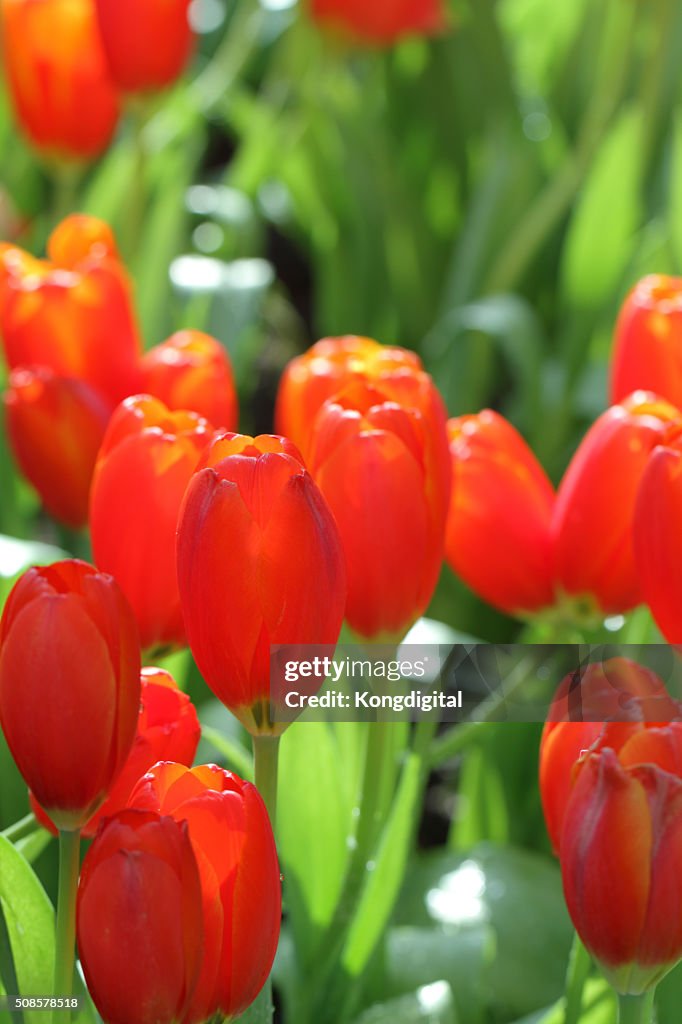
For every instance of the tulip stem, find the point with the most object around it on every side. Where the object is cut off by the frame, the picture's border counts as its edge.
(265, 762)
(69, 862)
(576, 976)
(636, 1009)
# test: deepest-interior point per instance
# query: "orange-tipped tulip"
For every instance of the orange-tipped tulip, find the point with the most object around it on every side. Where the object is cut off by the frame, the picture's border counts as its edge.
(618, 691)
(144, 465)
(384, 469)
(647, 351)
(658, 546)
(382, 22)
(192, 371)
(59, 82)
(73, 312)
(140, 920)
(592, 529)
(234, 846)
(259, 563)
(167, 730)
(147, 42)
(498, 532)
(69, 686)
(55, 426)
(327, 368)
(620, 854)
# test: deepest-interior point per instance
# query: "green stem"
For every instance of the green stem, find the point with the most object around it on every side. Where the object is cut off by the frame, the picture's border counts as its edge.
(69, 862)
(65, 177)
(576, 976)
(265, 764)
(20, 829)
(138, 192)
(636, 1009)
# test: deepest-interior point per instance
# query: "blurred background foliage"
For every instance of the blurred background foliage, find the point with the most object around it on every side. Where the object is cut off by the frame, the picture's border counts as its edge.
(485, 198)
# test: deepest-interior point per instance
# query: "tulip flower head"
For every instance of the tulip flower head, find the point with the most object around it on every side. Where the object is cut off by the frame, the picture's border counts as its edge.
(647, 352)
(383, 467)
(382, 22)
(620, 851)
(192, 370)
(55, 426)
(498, 532)
(144, 466)
(592, 528)
(146, 42)
(140, 920)
(69, 686)
(59, 82)
(232, 838)
(167, 730)
(657, 535)
(614, 698)
(259, 563)
(329, 367)
(71, 313)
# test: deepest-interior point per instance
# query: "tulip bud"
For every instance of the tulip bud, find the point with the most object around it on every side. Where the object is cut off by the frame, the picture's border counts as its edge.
(620, 852)
(617, 691)
(593, 517)
(148, 453)
(167, 730)
(55, 426)
(498, 530)
(59, 83)
(69, 686)
(382, 22)
(384, 469)
(647, 351)
(657, 535)
(259, 563)
(192, 371)
(71, 313)
(234, 846)
(147, 42)
(140, 921)
(327, 368)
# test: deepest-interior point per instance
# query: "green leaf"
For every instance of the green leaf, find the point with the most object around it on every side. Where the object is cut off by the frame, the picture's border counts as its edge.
(314, 825)
(431, 1004)
(384, 881)
(482, 809)
(236, 757)
(29, 919)
(601, 234)
(675, 214)
(518, 896)
(463, 956)
(599, 1007)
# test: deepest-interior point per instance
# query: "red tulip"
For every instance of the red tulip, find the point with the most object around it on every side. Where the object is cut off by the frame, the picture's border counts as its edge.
(381, 22)
(648, 342)
(58, 79)
(327, 368)
(617, 691)
(498, 530)
(233, 843)
(657, 535)
(384, 469)
(192, 371)
(593, 518)
(259, 563)
(140, 920)
(620, 852)
(55, 426)
(69, 686)
(73, 312)
(147, 42)
(167, 730)
(144, 465)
